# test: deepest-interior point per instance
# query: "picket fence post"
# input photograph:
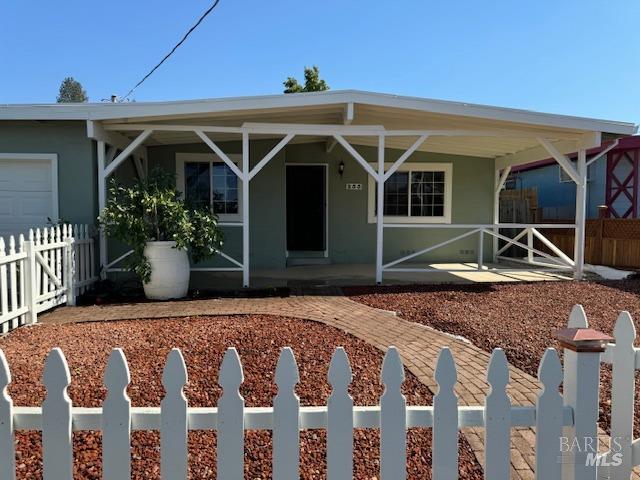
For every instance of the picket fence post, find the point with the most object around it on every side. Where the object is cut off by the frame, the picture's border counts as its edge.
(497, 418)
(4, 290)
(57, 446)
(623, 356)
(230, 451)
(393, 419)
(173, 419)
(7, 445)
(549, 409)
(31, 290)
(70, 271)
(22, 286)
(286, 405)
(340, 418)
(445, 418)
(13, 281)
(116, 419)
(581, 388)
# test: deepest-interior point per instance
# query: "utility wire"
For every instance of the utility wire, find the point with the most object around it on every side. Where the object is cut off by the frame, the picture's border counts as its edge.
(177, 45)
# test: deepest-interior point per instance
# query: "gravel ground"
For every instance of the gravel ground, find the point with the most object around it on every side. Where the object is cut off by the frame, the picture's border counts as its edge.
(520, 318)
(203, 341)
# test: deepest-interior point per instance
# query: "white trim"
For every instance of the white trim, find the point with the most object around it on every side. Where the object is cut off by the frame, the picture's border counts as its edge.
(380, 179)
(218, 151)
(105, 111)
(568, 179)
(326, 201)
(272, 153)
(182, 157)
(562, 159)
(39, 157)
(447, 168)
(131, 148)
(246, 241)
(354, 153)
(601, 154)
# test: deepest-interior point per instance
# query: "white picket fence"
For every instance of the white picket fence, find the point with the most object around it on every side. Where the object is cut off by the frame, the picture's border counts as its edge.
(573, 415)
(50, 268)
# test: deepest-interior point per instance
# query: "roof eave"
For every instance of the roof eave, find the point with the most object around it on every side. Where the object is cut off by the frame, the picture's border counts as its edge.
(108, 111)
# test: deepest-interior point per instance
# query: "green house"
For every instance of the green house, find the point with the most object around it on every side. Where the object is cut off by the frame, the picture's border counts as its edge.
(293, 179)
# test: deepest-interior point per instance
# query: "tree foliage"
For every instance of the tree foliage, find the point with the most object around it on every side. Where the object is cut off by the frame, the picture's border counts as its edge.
(152, 210)
(312, 82)
(71, 91)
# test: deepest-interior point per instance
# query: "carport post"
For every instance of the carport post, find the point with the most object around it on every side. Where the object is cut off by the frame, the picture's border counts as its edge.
(102, 187)
(245, 208)
(581, 206)
(500, 179)
(380, 210)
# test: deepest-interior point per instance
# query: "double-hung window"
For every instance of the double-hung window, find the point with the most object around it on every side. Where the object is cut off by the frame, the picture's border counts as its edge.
(415, 193)
(207, 182)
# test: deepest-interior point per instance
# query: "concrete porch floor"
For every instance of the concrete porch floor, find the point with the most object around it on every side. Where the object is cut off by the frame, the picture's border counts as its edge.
(364, 274)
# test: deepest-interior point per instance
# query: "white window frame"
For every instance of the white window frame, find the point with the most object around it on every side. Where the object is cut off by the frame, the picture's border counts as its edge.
(39, 157)
(182, 158)
(447, 168)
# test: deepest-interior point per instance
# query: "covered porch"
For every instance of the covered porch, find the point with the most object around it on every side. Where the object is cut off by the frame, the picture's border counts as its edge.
(441, 225)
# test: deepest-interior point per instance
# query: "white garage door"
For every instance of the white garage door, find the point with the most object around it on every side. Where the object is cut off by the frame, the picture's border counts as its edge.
(28, 192)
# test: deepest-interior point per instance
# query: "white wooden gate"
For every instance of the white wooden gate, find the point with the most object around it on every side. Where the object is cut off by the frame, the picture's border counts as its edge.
(48, 269)
(576, 412)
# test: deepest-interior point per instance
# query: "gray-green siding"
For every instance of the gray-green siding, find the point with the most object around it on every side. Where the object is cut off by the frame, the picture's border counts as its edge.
(351, 237)
(77, 169)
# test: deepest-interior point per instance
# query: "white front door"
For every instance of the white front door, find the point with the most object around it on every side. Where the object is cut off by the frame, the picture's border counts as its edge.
(28, 192)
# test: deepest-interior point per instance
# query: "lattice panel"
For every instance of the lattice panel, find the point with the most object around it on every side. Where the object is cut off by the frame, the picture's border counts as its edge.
(622, 183)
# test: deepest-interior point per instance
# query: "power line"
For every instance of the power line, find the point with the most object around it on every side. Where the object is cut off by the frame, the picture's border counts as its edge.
(177, 45)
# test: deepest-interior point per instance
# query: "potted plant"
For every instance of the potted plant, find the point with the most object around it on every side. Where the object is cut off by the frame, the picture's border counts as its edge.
(162, 230)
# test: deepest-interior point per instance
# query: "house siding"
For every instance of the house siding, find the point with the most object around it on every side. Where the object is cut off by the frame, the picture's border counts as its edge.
(351, 238)
(77, 169)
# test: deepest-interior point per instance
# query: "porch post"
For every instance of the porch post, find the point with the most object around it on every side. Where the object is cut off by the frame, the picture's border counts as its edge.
(380, 209)
(102, 195)
(581, 206)
(245, 208)
(500, 180)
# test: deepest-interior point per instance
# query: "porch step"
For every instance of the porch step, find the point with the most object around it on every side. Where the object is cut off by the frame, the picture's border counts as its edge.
(299, 261)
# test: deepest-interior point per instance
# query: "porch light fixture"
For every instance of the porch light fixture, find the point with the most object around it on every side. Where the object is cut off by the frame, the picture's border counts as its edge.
(341, 167)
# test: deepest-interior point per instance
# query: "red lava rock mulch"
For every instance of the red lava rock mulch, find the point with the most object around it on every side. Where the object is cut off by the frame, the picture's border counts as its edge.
(520, 318)
(203, 340)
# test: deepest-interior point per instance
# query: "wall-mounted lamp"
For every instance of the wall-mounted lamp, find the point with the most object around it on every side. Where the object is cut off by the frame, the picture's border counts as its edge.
(341, 167)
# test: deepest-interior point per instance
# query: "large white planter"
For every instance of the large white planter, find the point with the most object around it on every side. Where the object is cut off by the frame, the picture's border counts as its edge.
(169, 271)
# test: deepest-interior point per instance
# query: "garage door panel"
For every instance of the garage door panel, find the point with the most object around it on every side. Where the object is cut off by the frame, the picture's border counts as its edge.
(25, 176)
(26, 194)
(35, 204)
(6, 205)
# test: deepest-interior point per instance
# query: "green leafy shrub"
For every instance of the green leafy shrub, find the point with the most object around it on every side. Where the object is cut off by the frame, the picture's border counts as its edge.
(152, 210)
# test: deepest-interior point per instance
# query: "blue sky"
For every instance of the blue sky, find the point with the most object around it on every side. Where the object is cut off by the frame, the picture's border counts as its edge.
(577, 57)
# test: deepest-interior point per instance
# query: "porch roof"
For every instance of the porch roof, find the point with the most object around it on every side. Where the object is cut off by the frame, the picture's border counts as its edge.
(509, 135)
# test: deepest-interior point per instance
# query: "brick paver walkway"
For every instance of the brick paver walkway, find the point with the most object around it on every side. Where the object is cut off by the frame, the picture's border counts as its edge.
(417, 344)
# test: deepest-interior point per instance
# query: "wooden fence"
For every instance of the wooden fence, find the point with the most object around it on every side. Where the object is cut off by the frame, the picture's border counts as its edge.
(48, 269)
(613, 242)
(576, 410)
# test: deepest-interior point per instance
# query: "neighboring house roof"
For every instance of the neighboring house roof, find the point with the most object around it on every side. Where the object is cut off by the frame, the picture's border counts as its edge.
(625, 143)
(107, 111)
